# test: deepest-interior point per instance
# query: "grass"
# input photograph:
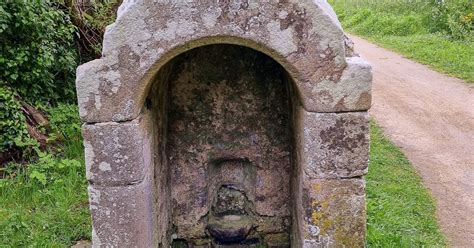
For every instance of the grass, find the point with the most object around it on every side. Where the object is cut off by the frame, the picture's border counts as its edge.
(401, 212)
(44, 203)
(51, 215)
(52, 211)
(407, 28)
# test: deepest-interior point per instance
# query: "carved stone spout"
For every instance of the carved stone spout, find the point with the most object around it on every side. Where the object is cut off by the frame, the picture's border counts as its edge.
(230, 220)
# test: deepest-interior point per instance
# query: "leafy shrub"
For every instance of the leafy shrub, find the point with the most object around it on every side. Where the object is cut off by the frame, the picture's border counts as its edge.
(13, 130)
(455, 18)
(37, 54)
(44, 203)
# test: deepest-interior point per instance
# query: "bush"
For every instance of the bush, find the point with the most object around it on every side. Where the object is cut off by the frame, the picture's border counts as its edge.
(455, 18)
(66, 128)
(37, 54)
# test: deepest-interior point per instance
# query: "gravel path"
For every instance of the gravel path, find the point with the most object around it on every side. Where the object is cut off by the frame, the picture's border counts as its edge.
(431, 117)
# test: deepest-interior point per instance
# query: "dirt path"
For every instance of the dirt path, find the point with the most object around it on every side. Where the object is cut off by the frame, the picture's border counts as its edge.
(431, 117)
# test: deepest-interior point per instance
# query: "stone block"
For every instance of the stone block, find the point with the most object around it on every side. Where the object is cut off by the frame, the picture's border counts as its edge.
(118, 153)
(123, 216)
(334, 212)
(346, 91)
(333, 145)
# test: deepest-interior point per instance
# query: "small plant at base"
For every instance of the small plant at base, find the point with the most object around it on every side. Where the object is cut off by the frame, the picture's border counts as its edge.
(48, 169)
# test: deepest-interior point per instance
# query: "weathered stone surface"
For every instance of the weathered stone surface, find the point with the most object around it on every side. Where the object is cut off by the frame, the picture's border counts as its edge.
(348, 91)
(118, 153)
(228, 124)
(334, 212)
(303, 36)
(123, 216)
(333, 145)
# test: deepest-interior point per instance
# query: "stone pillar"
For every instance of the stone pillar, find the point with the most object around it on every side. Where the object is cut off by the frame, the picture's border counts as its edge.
(119, 168)
(333, 152)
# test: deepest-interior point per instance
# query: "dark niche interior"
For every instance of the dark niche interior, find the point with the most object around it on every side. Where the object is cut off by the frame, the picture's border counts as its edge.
(226, 142)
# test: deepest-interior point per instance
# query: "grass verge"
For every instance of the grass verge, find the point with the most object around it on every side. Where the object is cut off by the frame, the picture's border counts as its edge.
(400, 210)
(52, 210)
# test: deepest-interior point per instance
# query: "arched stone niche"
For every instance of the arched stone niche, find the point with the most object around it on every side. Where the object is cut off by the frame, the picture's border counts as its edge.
(226, 122)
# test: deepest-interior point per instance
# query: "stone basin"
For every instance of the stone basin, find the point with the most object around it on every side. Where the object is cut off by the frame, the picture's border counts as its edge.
(230, 229)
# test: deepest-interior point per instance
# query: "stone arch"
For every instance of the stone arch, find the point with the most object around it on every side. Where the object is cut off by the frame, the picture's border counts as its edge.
(125, 163)
(303, 36)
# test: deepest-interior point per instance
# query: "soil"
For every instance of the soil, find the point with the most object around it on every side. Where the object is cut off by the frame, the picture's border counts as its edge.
(430, 116)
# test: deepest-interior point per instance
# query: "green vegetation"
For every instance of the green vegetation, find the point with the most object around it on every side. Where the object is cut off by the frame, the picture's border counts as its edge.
(436, 33)
(38, 58)
(44, 203)
(41, 45)
(401, 212)
(452, 57)
(43, 196)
